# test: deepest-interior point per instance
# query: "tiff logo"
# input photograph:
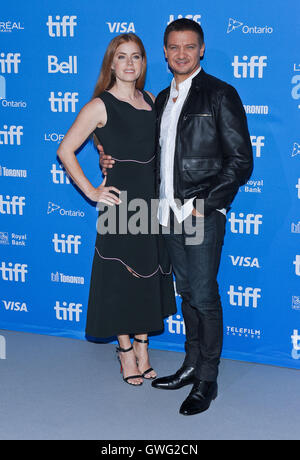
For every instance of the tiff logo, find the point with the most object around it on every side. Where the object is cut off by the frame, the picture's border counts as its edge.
(240, 298)
(14, 272)
(62, 103)
(2, 347)
(245, 225)
(66, 245)
(61, 27)
(297, 265)
(256, 62)
(9, 63)
(298, 187)
(296, 344)
(67, 312)
(10, 135)
(59, 176)
(257, 143)
(12, 205)
(176, 326)
(194, 17)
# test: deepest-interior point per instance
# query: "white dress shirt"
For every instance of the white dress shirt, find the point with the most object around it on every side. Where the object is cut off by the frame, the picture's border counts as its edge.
(167, 143)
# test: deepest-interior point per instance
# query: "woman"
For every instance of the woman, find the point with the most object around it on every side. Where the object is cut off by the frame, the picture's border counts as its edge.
(131, 288)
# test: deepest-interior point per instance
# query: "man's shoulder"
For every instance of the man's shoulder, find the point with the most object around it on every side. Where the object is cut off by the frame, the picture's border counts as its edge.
(214, 83)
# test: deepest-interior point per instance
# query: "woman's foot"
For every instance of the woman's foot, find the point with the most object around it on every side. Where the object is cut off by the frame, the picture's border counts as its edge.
(140, 347)
(131, 373)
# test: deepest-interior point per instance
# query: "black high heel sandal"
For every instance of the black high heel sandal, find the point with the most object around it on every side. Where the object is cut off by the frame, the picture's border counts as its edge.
(150, 368)
(123, 350)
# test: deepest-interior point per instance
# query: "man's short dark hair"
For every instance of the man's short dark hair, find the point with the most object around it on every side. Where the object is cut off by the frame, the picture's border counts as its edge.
(184, 24)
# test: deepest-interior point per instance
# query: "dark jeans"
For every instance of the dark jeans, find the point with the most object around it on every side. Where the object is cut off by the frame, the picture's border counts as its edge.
(196, 268)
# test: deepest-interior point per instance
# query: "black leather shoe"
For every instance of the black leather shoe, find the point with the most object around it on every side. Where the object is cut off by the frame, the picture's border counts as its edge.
(184, 376)
(200, 397)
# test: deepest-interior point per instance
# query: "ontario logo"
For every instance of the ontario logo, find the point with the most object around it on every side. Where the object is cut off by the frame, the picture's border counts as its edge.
(234, 24)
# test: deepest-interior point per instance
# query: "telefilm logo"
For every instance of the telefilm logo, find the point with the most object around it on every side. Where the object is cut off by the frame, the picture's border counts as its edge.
(13, 272)
(248, 224)
(194, 17)
(52, 207)
(255, 65)
(295, 337)
(61, 26)
(233, 25)
(68, 311)
(245, 332)
(66, 244)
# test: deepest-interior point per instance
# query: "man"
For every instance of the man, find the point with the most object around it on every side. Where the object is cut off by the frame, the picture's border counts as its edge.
(204, 153)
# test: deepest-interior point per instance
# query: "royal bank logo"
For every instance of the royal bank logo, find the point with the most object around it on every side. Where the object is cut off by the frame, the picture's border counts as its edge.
(296, 302)
(234, 24)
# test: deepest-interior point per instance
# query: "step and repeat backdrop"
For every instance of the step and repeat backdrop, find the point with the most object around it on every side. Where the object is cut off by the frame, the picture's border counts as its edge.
(50, 57)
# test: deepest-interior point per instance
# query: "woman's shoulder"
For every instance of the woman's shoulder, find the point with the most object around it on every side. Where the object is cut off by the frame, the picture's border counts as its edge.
(151, 95)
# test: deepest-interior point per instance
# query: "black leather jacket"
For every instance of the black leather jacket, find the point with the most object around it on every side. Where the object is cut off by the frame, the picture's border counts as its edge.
(213, 152)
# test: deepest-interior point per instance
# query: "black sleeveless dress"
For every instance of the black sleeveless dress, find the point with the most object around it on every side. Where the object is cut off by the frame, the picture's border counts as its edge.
(123, 301)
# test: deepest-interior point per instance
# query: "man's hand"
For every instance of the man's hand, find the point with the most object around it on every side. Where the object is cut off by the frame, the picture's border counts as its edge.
(106, 161)
(196, 213)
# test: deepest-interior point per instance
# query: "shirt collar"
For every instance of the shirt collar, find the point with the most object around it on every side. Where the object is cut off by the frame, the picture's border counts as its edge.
(184, 85)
